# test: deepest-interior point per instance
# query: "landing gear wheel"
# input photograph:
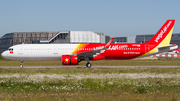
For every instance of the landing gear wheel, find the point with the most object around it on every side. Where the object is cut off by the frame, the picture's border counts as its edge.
(88, 65)
(21, 66)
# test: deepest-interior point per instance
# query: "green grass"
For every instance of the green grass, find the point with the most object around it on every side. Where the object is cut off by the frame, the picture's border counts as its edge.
(79, 84)
(49, 87)
(88, 70)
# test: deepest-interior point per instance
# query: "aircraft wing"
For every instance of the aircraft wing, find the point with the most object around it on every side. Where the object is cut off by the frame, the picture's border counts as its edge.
(94, 52)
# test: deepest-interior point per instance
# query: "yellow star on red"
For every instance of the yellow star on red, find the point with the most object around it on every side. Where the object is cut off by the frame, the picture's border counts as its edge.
(66, 59)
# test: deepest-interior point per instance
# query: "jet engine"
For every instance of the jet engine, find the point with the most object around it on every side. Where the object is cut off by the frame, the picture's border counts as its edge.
(69, 60)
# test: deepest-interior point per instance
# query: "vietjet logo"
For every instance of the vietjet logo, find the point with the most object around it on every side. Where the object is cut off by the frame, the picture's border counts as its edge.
(66, 60)
(162, 32)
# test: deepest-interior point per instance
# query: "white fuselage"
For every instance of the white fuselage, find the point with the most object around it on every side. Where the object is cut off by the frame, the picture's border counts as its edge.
(39, 51)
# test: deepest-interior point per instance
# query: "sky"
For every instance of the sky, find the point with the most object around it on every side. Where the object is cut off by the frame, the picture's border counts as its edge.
(115, 18)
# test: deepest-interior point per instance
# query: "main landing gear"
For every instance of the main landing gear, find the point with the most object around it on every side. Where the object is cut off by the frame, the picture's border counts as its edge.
(21, 65)
(88, 65)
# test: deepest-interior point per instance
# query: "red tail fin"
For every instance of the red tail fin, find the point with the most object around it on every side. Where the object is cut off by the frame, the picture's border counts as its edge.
(163, 36)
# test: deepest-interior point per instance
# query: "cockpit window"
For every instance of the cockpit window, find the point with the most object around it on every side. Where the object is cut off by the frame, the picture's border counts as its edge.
(10, 49)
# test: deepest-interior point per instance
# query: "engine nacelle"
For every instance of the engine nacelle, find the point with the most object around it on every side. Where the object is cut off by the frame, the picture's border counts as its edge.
(69, 60)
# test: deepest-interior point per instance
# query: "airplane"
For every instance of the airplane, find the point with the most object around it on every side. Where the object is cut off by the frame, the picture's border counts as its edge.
(72, 54)
(176, 51)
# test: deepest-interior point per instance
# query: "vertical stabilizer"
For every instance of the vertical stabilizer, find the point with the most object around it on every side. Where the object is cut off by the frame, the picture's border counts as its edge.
(163, 36)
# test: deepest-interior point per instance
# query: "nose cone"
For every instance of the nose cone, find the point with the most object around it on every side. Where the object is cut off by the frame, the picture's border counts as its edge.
(4, 54)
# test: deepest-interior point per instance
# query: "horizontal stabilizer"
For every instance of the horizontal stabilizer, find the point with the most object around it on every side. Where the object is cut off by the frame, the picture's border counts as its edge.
(167, 48)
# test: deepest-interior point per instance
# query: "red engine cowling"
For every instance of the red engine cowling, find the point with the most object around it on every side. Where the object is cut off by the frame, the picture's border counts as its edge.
(69, 60)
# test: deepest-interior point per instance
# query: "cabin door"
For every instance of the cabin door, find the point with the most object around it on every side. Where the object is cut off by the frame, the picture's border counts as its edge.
(55, 51)
(147, 48)
(20, 50)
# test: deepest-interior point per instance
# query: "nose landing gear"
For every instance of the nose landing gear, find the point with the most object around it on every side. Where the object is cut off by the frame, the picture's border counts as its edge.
(21, 65)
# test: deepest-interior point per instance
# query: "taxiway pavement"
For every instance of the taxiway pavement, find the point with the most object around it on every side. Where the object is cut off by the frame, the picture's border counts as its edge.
(92, 66)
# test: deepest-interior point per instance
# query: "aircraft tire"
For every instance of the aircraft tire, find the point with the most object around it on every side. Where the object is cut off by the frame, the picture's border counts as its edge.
(21, 66)
(88, 65)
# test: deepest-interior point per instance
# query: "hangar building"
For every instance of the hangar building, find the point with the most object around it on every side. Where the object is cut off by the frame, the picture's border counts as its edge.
(124, 40)
(70, 37)
(175, 39)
